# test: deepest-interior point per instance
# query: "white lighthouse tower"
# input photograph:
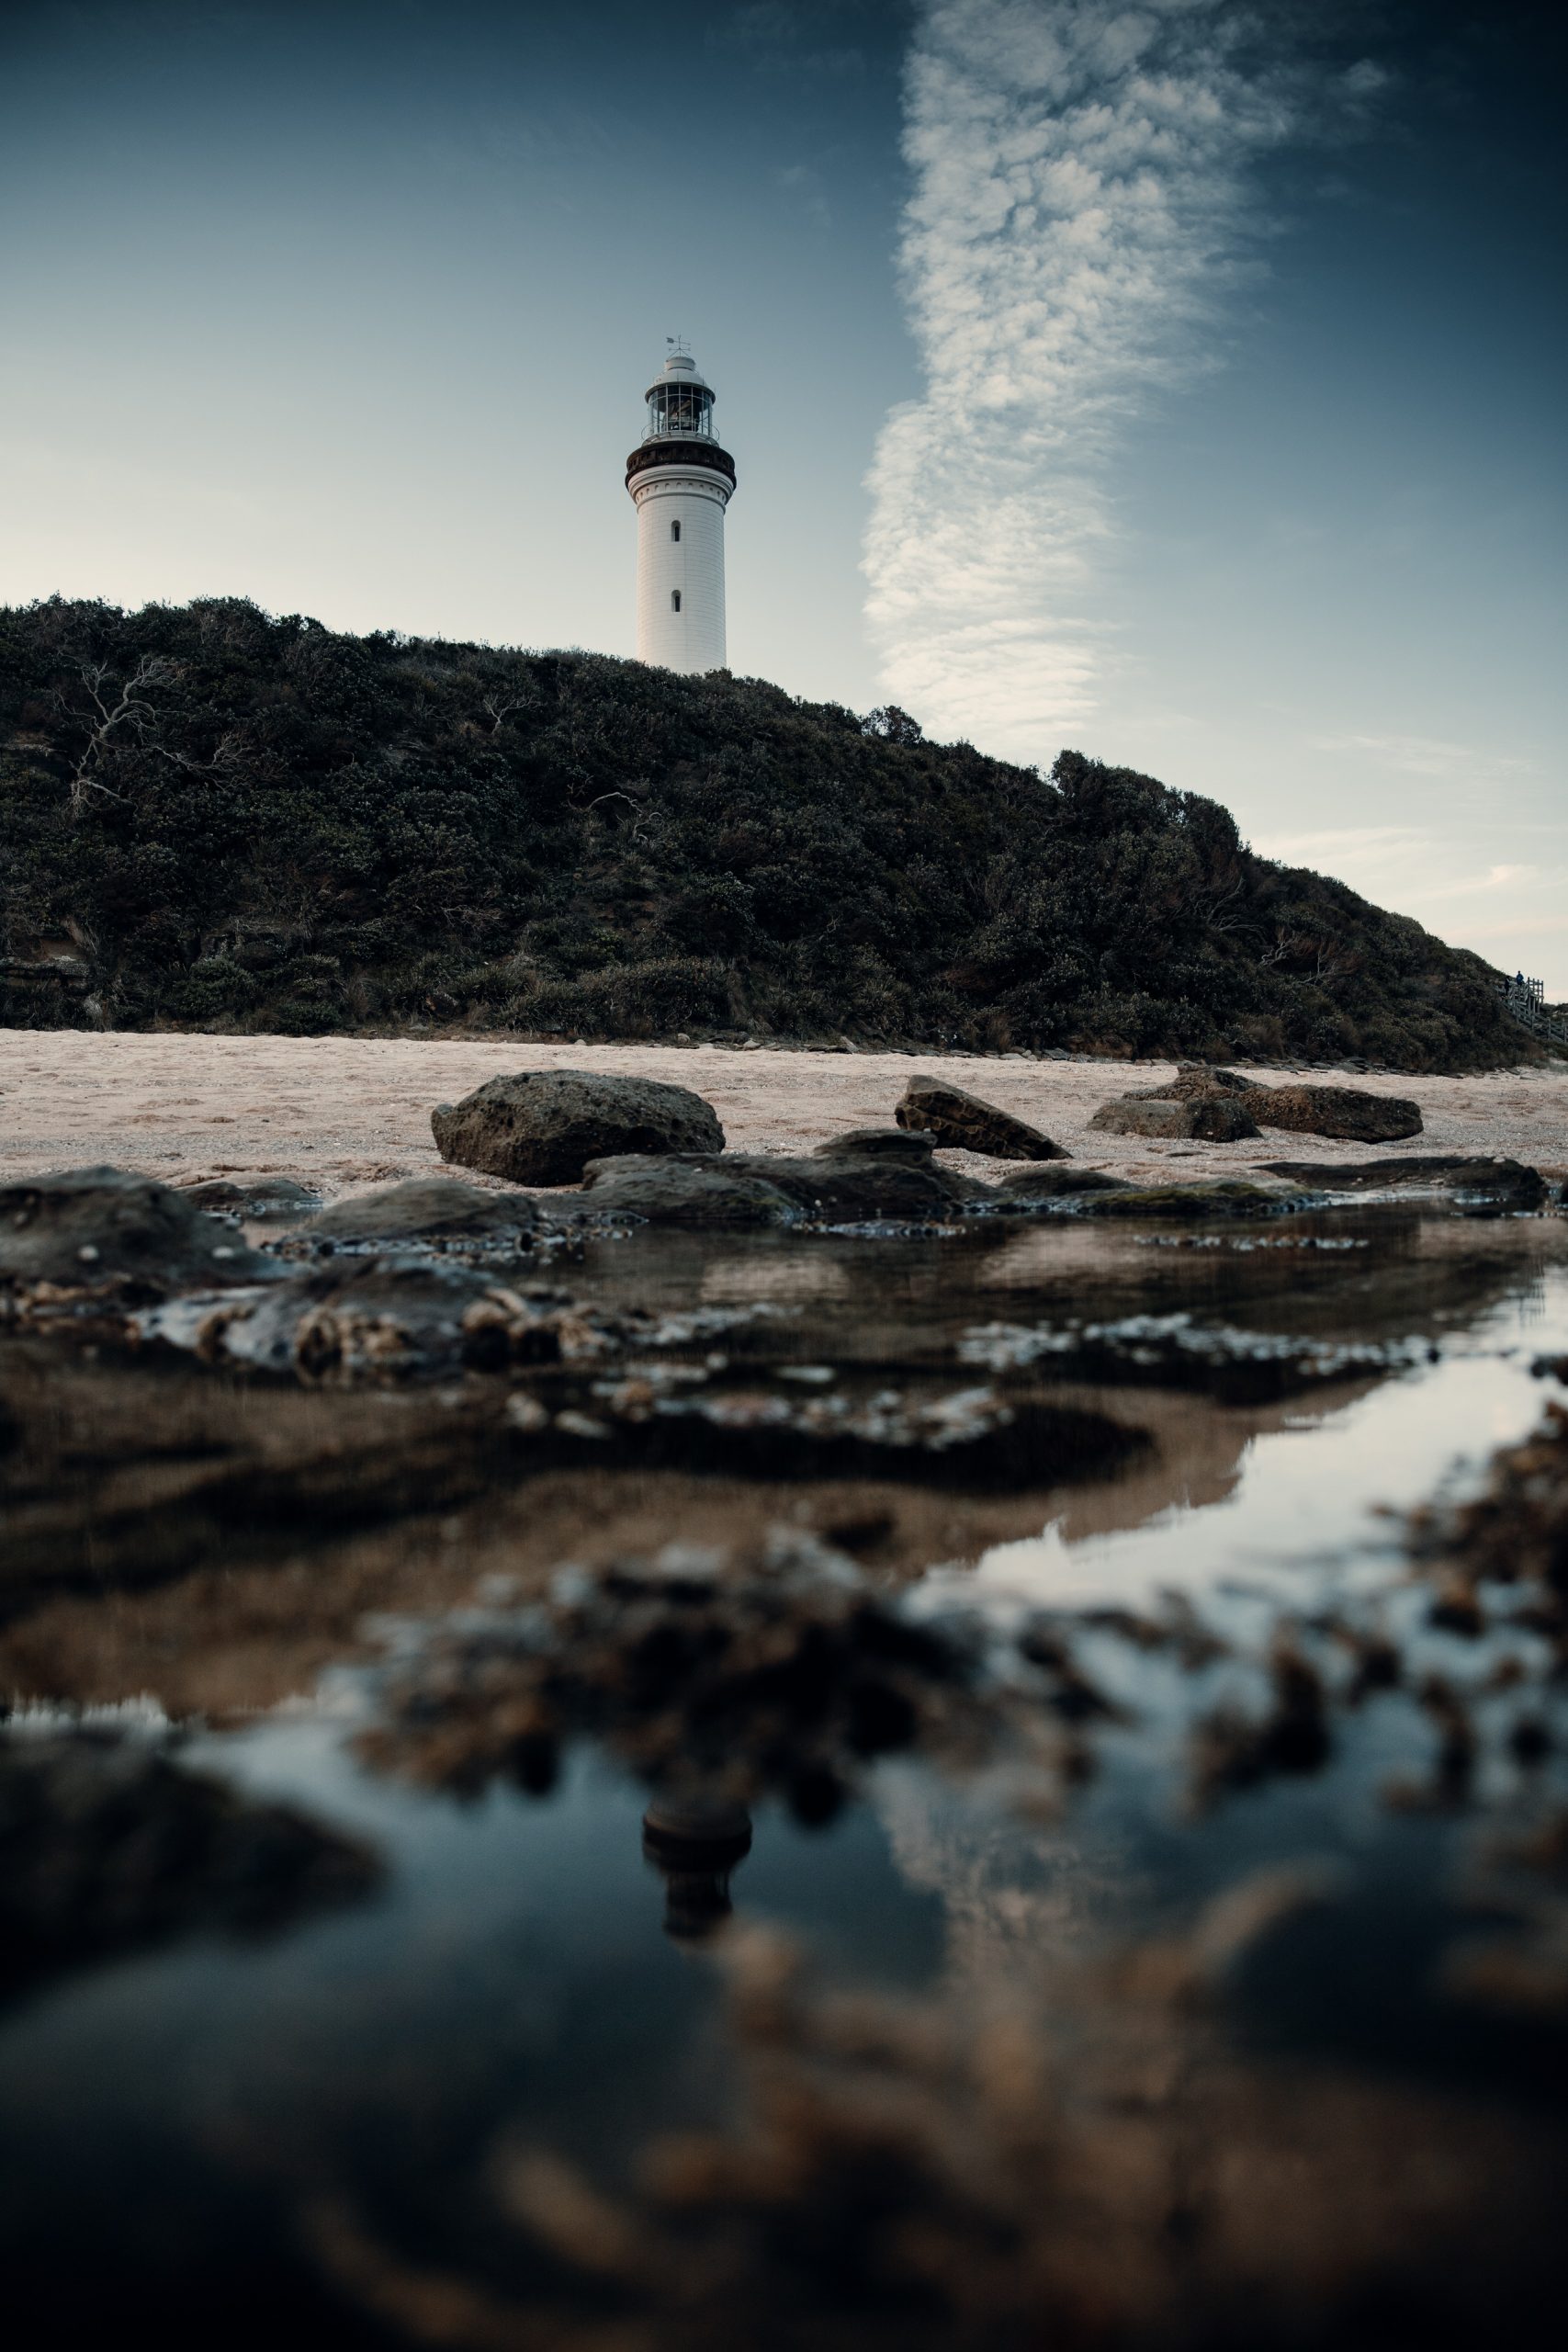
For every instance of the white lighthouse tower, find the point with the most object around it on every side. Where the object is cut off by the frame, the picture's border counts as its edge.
(681, 481)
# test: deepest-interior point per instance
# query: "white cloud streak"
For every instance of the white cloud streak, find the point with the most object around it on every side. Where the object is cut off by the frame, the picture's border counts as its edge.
(1080, 185)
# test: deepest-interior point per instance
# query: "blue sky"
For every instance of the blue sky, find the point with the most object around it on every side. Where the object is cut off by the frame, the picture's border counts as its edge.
(1181, 381)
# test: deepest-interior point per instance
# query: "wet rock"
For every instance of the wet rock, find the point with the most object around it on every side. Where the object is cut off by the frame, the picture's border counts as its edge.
(263, 1198)
(681, 1192)
(1178, 1350)
(434, 1209)
(907, 1143)
(1343, 1112)
(382, 1319)
(746, 1188)
(1212, 1118)
(92, 1230)
(1228, 1196)
(1056, 1183)
(106, 1846)
(543, 1126)
(961, 1120)
(863, 1191)
(975, 1439)
(1506, 1180)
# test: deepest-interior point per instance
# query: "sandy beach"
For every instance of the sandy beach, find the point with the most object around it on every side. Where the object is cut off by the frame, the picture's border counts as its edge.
(342, 1112)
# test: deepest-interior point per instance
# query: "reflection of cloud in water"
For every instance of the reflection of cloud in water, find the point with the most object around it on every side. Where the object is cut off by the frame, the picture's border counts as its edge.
(1301, 1493)
(1017, 1893)
(799, 1274)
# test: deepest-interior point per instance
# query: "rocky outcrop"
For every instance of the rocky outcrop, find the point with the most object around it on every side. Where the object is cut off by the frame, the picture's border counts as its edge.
(1209, 1118)
(1343, 1112)
(93, 1228)
(908, 1144)
(543, 1126)
(428, 1209)
(962, 1121)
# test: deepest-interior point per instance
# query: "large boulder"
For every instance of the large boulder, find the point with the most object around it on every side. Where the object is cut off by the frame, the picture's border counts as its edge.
(543, 1126)
(1343, 1112)
(1208, 1118)
(709, 1193)
(434, 1209)
(103, 1228)
(951, 1116)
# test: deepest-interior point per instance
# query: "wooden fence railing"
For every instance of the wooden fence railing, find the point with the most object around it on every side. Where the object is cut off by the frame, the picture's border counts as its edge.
(1525, 1000)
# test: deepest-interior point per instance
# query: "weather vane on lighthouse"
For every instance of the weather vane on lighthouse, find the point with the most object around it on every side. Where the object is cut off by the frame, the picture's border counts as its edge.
(681, 481)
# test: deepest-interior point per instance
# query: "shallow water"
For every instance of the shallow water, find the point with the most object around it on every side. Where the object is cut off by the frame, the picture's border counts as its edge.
(525, 1974)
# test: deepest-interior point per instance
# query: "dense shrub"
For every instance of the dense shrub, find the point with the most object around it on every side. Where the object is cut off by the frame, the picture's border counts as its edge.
(247, 821)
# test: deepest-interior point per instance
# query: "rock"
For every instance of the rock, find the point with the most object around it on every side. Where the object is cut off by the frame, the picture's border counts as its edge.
(429, 1208)
(1340, 1110)
(1052, 1184)
(856, 1191)
(1229, 1197)
(680, 1192)
(268, 1196)
(905, 1144)
(961, 1120)
(101, 1227)
(1212, 1118)
(1508, 1180)
(742, 1188)
(1193, 1082)
(543, 1126)
(381, 1320)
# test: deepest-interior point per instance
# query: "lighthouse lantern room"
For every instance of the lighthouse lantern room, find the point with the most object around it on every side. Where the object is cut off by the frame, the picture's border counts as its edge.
(681, 482)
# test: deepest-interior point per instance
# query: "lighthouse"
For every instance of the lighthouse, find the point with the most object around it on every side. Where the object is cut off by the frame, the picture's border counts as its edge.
(681, 481)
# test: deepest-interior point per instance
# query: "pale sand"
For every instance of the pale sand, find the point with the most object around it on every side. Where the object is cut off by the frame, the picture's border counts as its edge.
(342, 1112)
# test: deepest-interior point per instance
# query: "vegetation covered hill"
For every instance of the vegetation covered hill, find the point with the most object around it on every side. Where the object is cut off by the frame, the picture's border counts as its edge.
(214, 817)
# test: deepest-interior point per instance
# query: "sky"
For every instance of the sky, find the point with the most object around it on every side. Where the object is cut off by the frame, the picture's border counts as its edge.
(1179, 381)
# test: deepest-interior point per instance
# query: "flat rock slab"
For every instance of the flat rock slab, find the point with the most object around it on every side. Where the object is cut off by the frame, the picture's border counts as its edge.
(1343, 1112)
(1448, 1173)
(950, 1116)
(427, 1208)
(93, 1227)
(543, 1126)
(1212, 1118)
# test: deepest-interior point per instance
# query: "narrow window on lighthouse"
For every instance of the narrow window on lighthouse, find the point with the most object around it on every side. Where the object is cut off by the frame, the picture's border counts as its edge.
(674, 600)
(674, 530)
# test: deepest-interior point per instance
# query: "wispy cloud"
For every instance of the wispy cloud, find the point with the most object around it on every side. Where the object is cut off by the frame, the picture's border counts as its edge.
(1424, 755)
(1081, 178)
